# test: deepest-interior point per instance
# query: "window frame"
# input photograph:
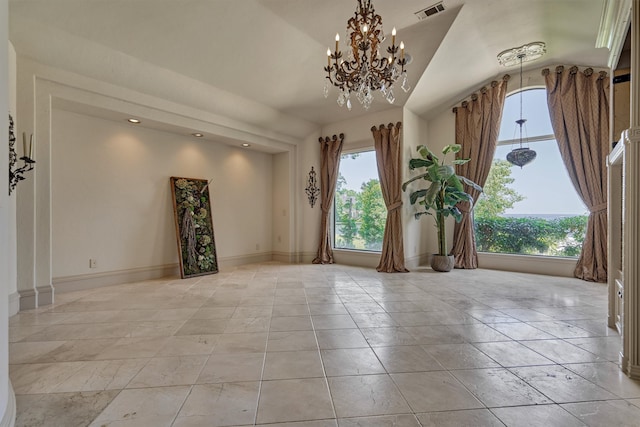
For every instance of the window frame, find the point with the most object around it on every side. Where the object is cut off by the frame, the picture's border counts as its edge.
(550, 138)
(345, 152)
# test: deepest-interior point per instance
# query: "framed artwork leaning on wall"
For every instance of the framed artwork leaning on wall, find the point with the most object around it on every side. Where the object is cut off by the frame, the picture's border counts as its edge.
(194, 226)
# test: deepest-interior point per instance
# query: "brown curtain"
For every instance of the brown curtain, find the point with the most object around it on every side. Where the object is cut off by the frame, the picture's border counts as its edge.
(477, 128)
(388, 157)
(579, 109)
(330, 150)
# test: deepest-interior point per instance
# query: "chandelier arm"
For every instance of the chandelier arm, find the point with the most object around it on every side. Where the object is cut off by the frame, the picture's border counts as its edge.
(365, 69)
(346, 76)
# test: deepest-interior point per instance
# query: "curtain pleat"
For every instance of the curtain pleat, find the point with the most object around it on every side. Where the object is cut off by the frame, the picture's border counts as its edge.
(389, 157)
(477, 129)
(579, 109)
(330, 150)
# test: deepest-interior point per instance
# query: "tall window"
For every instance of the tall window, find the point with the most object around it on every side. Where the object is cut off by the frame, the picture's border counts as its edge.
(359, 210)
(531, 210)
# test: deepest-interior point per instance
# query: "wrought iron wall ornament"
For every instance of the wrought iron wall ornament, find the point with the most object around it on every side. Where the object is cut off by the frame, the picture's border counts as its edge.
(312, 189)
(17, 175)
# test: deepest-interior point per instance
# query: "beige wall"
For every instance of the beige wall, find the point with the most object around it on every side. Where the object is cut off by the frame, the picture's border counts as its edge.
(416, 232)
(14, 298)
(7, 211)
(308, 218)
(357, 136)
(260, 209)
(441, 132)
(282, 207)
(88, 155)
(111, 198)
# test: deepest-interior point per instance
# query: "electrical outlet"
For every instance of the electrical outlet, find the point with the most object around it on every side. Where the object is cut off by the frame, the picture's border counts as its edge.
(93, 263)
(257, 246)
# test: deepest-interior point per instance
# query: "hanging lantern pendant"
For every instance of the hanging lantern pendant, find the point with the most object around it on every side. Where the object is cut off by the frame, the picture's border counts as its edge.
(523, 155)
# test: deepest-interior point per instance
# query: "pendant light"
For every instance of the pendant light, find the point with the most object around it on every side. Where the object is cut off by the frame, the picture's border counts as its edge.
(523, 155)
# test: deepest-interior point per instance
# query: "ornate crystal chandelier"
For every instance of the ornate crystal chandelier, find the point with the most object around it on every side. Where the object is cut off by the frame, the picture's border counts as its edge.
(365, 70)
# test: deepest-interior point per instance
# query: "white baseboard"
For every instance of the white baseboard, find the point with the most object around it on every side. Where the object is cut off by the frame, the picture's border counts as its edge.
(233, 261)
(9, 417)
(417, 261)
(549, 266)
(45, 295)
(14, 303)
(356, 258)
(118, 277)
(28, 299)
(286, 257)
(305, 257)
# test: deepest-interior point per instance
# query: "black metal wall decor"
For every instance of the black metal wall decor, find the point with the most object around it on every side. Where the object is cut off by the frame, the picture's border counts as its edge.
(312, 189)
(17, 174)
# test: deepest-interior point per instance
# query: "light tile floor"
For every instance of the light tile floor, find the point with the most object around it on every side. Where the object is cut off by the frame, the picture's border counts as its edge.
(322, 346)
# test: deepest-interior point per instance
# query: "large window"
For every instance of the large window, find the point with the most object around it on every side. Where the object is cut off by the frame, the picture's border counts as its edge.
(359, 210)
(531, 210)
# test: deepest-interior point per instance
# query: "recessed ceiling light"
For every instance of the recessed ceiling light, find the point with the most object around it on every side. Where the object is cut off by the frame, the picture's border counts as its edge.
(134, 121)
(197, 135)
(246, 145)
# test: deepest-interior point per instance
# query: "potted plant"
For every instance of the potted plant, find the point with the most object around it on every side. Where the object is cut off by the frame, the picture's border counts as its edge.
(439, 199)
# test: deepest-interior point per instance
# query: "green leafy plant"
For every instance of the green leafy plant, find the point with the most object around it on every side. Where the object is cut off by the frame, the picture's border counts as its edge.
(531, 236)
(497, 195)
(445, 189)
(373, 214)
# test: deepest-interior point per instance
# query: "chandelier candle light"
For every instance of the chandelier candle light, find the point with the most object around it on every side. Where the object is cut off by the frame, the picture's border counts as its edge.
(365, 70)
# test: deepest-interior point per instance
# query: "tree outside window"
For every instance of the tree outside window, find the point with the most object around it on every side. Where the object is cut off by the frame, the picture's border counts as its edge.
(359, 210)
(532, 210)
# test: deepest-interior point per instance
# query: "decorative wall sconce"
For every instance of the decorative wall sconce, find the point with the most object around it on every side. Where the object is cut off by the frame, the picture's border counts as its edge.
(312, 189)
(17, 175)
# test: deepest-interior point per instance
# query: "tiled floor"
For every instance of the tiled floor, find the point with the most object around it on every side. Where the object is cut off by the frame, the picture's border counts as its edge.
(321, 346)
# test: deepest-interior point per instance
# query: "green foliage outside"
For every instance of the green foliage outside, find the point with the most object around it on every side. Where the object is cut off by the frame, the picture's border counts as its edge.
(360, 216)
(373, 215)
(531, 236)
(497, 196)
(345, 212)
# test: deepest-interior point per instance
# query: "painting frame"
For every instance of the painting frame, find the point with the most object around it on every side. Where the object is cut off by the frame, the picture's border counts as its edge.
(194, 226)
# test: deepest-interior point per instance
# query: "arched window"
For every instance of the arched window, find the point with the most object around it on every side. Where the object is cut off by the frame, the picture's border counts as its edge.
(533, 210)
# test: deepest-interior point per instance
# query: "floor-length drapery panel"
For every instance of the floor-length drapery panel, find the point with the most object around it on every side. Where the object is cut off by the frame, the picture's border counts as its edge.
(477, 128)
(330, 150)
(389, 158)
(579, 109)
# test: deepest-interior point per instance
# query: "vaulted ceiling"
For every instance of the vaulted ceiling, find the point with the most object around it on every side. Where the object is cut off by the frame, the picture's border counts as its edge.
(273, 51)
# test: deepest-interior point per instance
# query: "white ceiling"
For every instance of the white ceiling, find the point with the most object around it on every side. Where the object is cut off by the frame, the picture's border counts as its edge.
(273, 51)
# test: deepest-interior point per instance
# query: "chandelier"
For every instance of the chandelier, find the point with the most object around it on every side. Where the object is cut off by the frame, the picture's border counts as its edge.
(523, 155)
(365, 70)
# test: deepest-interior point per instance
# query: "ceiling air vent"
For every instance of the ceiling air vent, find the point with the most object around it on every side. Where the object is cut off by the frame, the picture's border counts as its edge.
(430, 11)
